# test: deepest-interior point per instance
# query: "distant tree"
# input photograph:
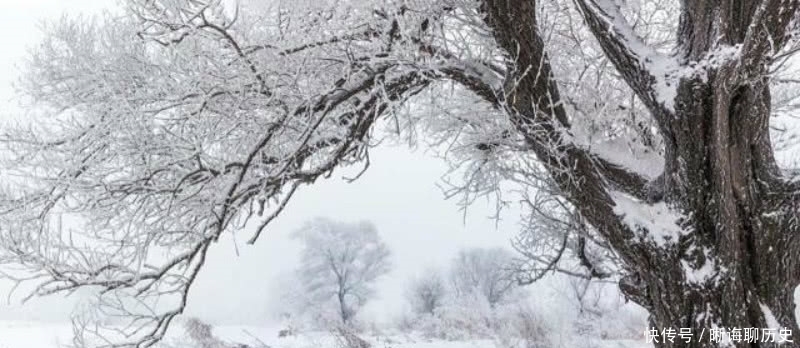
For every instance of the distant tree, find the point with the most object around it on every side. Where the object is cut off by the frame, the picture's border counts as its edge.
(341, 261)
(427, 292)
(483, 272)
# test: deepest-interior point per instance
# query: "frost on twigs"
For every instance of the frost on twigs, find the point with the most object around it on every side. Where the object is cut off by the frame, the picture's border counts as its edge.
(171, 124)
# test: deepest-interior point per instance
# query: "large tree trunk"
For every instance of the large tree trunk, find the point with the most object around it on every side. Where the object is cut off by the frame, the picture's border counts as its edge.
(736, 263)
(721, 173)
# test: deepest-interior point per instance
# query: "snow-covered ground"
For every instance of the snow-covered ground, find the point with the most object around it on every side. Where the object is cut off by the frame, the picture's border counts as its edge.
(19, 334)
(22, 334)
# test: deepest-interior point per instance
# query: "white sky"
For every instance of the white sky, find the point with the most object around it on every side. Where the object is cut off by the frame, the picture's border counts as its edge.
(398, 193)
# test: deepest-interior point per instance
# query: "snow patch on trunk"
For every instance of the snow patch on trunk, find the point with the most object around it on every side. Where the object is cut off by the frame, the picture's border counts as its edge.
(668, 72)
(656, 222)
(703, 274)
(665, 86)
(772, 323)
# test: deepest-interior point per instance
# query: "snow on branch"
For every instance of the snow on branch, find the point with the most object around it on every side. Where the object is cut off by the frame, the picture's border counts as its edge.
(766, 36)
(647, 71)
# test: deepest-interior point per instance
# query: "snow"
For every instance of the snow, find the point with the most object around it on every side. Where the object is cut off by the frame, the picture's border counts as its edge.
(702, 274)
(665, 69)
(659, 224)
(617, 151)
(657, 221)
(15, 334)
(668, 72)
(785, 132)
(666, 84)
(797, 304)
(658, 64)
(772, 323)
(23, 334)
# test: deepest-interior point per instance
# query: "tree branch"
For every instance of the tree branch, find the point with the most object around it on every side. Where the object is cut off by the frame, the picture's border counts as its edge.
(536, 110)
(644, 69)
(766, 36)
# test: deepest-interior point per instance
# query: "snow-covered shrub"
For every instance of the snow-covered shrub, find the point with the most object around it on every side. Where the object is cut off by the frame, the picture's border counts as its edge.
(198, 334)
(603, 312)
(471, 316)
(480, 300)
(520, 327)
(485, 272)
(457, 318)
(463, 317)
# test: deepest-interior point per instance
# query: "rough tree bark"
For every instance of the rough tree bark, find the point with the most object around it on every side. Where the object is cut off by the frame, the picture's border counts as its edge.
(739, 215)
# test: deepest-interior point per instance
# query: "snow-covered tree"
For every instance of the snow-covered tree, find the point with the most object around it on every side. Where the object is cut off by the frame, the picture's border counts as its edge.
(644, 124)
(483, 272)
(340, 262)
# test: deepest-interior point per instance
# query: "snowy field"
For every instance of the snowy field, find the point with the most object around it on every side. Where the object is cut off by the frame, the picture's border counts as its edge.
(18, 334)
